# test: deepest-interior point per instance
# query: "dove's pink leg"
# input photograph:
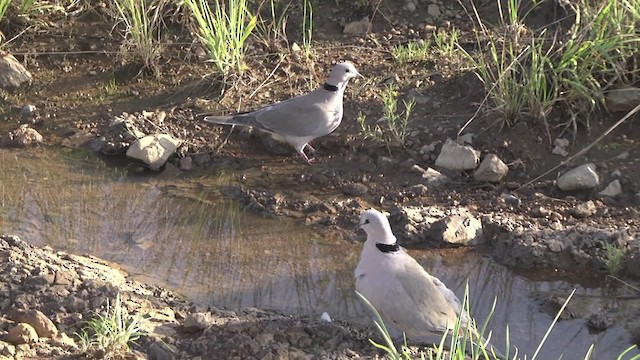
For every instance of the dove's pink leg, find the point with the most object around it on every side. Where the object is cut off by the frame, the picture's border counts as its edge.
(306, 159)
(311, 149)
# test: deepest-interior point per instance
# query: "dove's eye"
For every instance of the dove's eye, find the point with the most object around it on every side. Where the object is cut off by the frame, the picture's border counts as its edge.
(367, 221)
(347, 70)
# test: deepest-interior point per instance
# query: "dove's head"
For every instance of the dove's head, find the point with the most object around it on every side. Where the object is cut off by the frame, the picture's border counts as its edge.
(341, 73)
(377, 227)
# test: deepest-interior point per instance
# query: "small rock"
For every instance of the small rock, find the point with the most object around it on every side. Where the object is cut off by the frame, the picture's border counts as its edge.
(385, 162)
(43, 326)
(325, 317)
(466, 138)
(561, 142)
(454, 156)
(583, 210)
(419, 190)
(28, 110)
(162, 351)
(427, 149)
(511, 200)
(186, 163)
(195, 322)
(579, 178)
(457, 229)
(410, 6)
(433, 177)
(358, 27)
(295, 47)
(12, 73)
(492, 169)
(612, 190)
(560, 151)
(22, 334)
(22, 136)
(433, 10)
(154, 150)
(599, 322)
(552, 306)
(623, 99)
(355, 189)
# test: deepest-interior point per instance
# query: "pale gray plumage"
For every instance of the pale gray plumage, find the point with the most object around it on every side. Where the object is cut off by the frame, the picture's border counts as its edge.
(407, 297)
(301, 119)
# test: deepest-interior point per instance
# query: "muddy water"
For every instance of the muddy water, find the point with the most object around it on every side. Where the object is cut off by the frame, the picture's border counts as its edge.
(178, 231)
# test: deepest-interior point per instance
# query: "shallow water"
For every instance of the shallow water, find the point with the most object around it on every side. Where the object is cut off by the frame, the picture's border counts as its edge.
(178, 231)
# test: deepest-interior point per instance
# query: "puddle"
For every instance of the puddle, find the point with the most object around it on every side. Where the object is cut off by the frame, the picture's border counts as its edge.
(182, 234)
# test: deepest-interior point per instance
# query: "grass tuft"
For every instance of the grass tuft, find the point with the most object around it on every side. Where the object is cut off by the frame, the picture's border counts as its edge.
(110, 333)
(529, 73)
(615, 258)
(394, 129)
(142, 20)
(224, 31)
(412, 51)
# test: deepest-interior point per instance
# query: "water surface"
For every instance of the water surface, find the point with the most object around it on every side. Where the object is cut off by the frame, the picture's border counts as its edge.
(180, 232)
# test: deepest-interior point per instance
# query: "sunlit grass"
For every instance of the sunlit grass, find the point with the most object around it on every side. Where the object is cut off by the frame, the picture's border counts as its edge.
(472, 343)
(111, 332)
(411, 51)
(224, 31)
(528, 73)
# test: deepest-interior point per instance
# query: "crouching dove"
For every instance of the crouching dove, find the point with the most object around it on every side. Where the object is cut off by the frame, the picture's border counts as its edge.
(406, 296)
(301, 119)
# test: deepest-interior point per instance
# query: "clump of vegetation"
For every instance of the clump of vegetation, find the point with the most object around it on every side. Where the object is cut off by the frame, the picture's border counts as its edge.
(224, 31)
(615, 258)
(528, 73)
(142, 20)
(394, 128)
(110, 333)
(307, 28)
(272, 29)
(446, 41)
(457, 346)
(411, 51)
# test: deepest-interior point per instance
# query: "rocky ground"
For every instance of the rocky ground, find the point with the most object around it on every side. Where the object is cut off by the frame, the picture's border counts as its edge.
(47, 297)
(478, 188)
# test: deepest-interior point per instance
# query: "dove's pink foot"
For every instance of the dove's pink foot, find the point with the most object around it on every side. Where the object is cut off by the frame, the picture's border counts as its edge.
(306, 159)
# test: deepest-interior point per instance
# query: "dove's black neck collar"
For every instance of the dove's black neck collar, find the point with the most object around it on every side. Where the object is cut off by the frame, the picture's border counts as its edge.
(388, 248)
(330, 87)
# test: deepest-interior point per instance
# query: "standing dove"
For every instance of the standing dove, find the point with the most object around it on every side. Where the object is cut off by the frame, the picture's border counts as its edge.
(301, 119)
(406, 296)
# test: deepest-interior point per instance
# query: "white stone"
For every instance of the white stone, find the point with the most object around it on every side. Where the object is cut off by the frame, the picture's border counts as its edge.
(579, 178)
(613, 189)
(154, 150)
(558, 150)
(454, 156)
(466, 138)
(492, 169)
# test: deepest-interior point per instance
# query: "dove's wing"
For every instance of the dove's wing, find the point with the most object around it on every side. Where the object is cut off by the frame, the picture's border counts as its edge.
(310, 115)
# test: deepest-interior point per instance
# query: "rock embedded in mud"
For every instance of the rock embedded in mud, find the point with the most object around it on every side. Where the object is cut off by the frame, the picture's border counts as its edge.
(433, 177)
(196, 322)
(600, 322)
(154, 150)
(22, 334)
(492, 169)
(612, 190)
(22, 136)
(457, 229)
(454, 156)
(355, 189)
(583, 210)
(358, 27)
(580, 178)
(12, 74)
(623, 99)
